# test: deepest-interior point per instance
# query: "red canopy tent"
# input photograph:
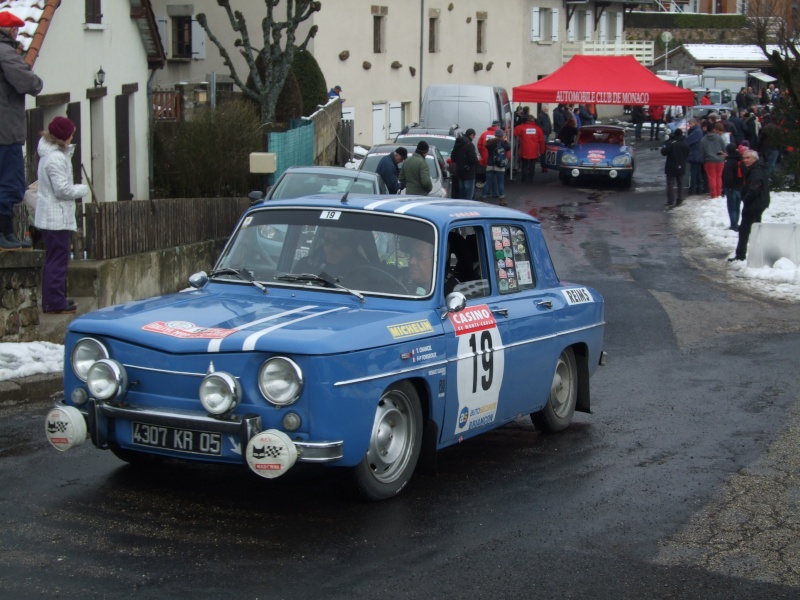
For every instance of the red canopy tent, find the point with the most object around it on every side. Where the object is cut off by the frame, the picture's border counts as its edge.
(603, 80)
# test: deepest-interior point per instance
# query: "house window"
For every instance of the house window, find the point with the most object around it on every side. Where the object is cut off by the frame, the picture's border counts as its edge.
(544, 24)
(94, 12)
(480, 48)
(378, 34)
(433, 35)
(181, 37)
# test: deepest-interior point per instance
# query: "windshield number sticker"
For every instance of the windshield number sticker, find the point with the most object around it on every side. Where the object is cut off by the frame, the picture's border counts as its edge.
(331, 215)
(550, 156)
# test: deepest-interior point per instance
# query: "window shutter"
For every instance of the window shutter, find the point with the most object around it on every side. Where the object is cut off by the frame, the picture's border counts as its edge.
(161, 23)
(198, 41)
(603, 27)
(535, 29)
(556, 25)
(620, 25)
(588, 24)
(571, 29)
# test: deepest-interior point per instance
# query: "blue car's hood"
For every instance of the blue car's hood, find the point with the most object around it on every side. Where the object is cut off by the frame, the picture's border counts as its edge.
(226, 320)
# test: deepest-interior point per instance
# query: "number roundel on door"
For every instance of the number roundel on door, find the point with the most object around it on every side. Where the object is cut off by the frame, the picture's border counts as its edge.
(481, 363)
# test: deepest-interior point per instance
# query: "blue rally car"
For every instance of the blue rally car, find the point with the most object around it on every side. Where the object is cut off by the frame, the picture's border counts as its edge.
(364, 333)
(599, 152)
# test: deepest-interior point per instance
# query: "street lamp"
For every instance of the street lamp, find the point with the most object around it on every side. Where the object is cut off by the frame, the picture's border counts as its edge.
(100, 78)
(666, 37)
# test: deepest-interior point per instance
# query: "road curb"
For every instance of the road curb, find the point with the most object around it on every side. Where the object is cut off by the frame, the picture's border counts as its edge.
(35, 387)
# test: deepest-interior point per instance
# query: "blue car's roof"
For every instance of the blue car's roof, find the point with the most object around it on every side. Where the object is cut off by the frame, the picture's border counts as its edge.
(436, 210)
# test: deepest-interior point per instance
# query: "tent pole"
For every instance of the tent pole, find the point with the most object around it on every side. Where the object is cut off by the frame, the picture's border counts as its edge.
(511, 137)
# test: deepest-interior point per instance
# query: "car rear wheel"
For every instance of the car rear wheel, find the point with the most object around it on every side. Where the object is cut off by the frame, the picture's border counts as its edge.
(557, 413)
(394, 444)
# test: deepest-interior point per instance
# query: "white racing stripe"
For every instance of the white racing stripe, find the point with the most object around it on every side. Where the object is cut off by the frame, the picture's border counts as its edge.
(250, 342)
(378, 204)
(414, 205)
(213, 345)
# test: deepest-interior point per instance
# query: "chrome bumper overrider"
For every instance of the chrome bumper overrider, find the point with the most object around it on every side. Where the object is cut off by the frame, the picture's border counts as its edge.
(245, 427)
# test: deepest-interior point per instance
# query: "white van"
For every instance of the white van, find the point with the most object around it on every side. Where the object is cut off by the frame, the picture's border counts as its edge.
(468, 106)
(682, 80)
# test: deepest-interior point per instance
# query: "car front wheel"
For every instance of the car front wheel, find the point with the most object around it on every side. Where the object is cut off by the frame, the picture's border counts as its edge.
(394, 444)
(557, 413)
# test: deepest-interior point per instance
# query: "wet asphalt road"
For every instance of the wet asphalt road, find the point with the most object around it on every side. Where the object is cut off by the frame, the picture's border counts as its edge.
(684, 483)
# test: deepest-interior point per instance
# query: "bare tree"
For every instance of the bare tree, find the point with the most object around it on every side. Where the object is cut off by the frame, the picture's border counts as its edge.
(776, 31)
(276, 53)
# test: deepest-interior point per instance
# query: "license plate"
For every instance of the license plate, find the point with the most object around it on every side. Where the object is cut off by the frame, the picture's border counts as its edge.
(179, 440)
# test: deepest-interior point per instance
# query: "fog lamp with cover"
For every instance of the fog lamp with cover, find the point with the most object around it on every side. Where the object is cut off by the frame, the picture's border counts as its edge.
(106, 379)
(280, 381)
(220, 393)
(84, 354)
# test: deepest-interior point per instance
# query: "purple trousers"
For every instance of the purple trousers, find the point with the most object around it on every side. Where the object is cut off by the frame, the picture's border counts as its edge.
(54, 273)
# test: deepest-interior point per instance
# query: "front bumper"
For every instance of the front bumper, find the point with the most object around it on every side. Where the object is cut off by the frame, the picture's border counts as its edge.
(98, 414)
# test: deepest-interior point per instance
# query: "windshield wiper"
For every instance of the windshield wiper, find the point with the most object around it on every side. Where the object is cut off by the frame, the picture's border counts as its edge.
(241, 274)
(321, 278)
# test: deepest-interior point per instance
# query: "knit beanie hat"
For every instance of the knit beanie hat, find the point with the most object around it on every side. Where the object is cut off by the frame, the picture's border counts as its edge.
(422, 147)
(8, 19)
(61, 128)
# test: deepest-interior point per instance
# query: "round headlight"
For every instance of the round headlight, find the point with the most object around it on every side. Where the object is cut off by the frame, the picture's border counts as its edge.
(220, 393)
(85, 353)
(106, 379)
(621, 161)
(281, 381)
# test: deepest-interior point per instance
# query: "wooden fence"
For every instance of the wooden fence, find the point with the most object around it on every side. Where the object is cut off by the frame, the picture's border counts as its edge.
(114, 229)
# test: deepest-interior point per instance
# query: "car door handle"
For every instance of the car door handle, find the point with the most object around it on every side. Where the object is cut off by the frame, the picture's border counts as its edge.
(500, 311)
(545, 303)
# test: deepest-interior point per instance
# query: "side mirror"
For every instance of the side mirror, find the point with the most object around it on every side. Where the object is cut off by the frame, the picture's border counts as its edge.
(198, 280)
(455, 302)
(255, 196)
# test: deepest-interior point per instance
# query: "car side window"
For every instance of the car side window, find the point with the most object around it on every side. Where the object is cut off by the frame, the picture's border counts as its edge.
(512, 259)
(467, 270)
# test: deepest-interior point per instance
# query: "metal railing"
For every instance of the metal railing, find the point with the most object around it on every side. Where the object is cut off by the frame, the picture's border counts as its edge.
(642, 51)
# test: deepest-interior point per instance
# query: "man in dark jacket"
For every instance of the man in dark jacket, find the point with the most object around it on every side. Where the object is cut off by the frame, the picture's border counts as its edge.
(465, 157)
(755, 199)
(638, 117)
(676, 149)
(694, 135)
(389, 169)
(732, 184)
(16, 80)
(544, 122)
(559, 118)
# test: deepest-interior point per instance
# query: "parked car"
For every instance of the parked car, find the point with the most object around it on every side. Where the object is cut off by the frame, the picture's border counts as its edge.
(702, 111)
(438, 321)
(296, 182)
(443, 139)
(437, 165)
(719, 97)
(599, 152)
(471, 106)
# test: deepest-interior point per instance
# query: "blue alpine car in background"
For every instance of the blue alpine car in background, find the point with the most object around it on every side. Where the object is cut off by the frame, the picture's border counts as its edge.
(599, 153)
(362, 332)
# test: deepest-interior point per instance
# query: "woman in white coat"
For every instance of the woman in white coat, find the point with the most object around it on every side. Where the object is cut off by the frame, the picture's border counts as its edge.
(55, 211)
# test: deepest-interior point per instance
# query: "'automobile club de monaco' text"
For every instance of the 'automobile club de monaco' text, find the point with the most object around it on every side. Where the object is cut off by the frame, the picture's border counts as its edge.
(569, 96)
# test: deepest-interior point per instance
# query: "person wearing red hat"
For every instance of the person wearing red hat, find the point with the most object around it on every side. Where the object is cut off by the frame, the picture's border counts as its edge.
(55, 211)
(16, 80)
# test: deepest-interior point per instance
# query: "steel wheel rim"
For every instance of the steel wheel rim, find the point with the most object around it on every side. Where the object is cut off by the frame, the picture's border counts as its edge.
(561, 389)
(392, 440)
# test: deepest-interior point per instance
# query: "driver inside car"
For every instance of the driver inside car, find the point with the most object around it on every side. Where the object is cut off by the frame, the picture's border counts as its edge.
(336, 254)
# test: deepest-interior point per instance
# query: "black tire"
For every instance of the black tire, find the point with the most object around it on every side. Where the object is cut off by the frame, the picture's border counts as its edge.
(627, 182)
(565, 179)
(557, 413)
(394, 444)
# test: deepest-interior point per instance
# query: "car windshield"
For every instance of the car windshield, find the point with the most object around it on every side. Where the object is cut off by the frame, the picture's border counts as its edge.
(443, 143)
(297, 185)
(368, 253)
(371, 163)
(593, 136)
